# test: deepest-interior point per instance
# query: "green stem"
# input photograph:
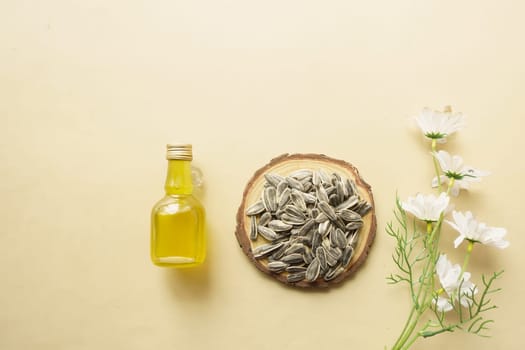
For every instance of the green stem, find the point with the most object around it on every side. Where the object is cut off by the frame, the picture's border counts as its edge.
(436, 166)
(420, 307)
(470, 247)
(450, 185)
(411, 341)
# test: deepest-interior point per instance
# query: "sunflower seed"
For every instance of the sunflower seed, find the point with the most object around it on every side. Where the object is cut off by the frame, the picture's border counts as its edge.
(253, 228)
(324, 228)
(308, 256)
(284, 198)
(330, 190)
(351, 187)
(292, 220)
(265, 249)
(255, 208)
(295, 248)
(349, 215)
(347, 256)
(309, 198)
(325, 179)
(321, 194)
(301, 174)
(330, 260)
(352, 238)
(279, 226)
(267, 233)
(293, 258)
(335, 252)
(269, 199)
(265, 219)
(348, 203)
(354, 225)
(296, 184)
(316, 180)
(333, 273)
(279, 253)
(277, 266)
(295, 269)
(337, 238)
(321, 255)
(312, 272)
(328, 210)
(364, 209)
(283, 185)
(334, 201)
(321, 218)
(298, 199)
(294, 211)
(316, 239)
(308, 225)
(273, 179)
(296, 277)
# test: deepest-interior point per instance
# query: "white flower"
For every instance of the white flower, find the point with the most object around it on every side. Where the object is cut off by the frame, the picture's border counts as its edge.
(427, 208)
(449, 277)
(454, 167)
(474, 231)
(439, 125)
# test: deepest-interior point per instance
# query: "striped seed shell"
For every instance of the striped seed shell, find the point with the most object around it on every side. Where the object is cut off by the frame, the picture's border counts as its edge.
(269, 199)
(349, 215)
(265, 219)
(295, 248)
(284, 198)
(308, 225)
(293, 258)
(321, 194)
(255, 209)
(338, 238)
(279, 226)
(347, 256)
(273, 179)
(283, 185)
(333, 273)
(267, 233)
(349, 203)
(298, 199)
(324, 228)
(295, 269)
(293, 211)
(253, 228)
(354, 225)
(321, 255)
(301, 174)
(309, 198)
(295, 184)
(277, 266)
(313, 270)
(292, 220)
(328, 210)
(266, 249)
(296, 277)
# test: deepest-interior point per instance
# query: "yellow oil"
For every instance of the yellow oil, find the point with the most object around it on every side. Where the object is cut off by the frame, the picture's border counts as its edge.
(177, 223)
(178, 233)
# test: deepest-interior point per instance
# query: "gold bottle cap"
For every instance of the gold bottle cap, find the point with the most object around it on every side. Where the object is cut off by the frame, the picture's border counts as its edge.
(179, 151)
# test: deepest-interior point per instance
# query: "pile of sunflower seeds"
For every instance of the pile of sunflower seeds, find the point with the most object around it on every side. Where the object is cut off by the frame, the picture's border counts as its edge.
(310, 223)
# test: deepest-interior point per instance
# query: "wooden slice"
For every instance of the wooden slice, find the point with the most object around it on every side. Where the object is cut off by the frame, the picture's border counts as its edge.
(285, 165)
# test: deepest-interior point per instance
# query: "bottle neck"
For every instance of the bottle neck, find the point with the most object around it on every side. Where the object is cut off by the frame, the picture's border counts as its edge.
(178, 180)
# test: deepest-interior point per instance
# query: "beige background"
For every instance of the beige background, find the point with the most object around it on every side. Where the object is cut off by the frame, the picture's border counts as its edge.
(90, 92)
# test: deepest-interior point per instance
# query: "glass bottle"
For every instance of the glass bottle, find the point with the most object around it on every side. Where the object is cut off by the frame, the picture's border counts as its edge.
(177, 220)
